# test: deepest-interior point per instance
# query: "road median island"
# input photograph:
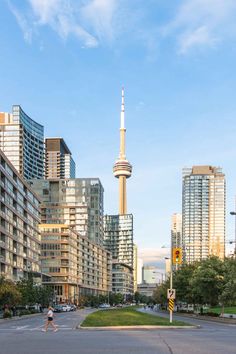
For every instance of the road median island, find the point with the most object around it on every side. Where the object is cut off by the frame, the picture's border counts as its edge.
(128, 318)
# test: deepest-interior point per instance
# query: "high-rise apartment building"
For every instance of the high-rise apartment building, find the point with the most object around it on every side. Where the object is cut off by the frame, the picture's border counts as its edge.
(176, 230)
(76, 265)
(77, 203)
(59, 162)
(19, 219)
(203, 213)
(22, 141)
(118, 237)
(135, 267)
(118, 229)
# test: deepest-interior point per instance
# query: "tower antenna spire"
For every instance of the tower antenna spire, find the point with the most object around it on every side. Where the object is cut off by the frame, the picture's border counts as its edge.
(122, 168)
(122, 114)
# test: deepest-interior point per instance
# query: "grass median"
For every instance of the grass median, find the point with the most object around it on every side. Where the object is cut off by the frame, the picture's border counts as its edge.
(230, 310)
(128, 316)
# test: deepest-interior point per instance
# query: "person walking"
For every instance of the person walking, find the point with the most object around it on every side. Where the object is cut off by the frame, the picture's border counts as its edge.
(50, 317)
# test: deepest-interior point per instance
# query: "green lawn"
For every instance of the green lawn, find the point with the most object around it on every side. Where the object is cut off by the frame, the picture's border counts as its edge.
(231, 310)
(125, 317)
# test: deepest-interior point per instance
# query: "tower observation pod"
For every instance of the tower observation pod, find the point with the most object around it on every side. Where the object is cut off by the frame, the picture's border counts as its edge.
(122, 168)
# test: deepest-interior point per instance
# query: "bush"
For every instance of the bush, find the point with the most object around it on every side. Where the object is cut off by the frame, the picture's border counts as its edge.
(32, 311)
(24, 312)
(7, 314)
(212, 314)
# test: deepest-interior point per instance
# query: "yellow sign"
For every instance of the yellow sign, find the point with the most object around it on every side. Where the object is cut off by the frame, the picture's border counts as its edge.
(177, 256)
(171, 304)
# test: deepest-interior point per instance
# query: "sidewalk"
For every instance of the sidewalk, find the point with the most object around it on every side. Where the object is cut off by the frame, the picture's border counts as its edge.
(207, 318)
(200, 317)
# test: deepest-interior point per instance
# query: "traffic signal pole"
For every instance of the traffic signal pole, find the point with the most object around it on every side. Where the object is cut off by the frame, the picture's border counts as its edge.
(171, 283)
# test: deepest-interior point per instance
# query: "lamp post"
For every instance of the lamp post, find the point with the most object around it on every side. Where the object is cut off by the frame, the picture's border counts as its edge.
(234, 214)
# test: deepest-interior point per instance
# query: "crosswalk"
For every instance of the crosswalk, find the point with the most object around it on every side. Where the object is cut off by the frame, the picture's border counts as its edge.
(29, 328)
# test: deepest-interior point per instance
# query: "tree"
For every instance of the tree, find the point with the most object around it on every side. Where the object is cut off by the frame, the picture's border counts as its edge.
(137, 297)
(9, 294)
(228, 294)
(28, 291)
(160, 293)
(182, 283)
(207, 282)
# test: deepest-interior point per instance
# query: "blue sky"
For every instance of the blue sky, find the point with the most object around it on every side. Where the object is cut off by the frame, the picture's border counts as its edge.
(66, 61)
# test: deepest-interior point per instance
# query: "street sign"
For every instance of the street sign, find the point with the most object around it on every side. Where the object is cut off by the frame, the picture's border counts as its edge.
(171, 305)
(171, 294)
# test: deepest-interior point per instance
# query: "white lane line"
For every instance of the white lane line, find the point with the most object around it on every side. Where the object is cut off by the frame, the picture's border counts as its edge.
(21, 327)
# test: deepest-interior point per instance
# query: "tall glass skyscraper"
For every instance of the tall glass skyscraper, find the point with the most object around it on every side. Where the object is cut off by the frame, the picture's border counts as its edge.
(22, 141)
(203, 213)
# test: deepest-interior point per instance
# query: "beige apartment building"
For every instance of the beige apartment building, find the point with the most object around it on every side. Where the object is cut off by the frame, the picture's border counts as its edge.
(19, 219)
(203, 213)
(76, 265)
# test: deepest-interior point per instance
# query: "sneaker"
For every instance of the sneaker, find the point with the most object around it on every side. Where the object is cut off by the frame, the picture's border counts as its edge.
(55, 330)
(44, 330)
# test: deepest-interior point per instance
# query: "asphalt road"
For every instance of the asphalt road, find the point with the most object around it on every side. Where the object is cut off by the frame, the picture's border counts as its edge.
(25, 336)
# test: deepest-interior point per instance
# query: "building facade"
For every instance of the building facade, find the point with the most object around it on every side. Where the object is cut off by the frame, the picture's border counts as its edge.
(135, 267)
(203, 213)
(122, 279)
(118, 239)
(19, 233)
(22, 141)
(176, 230)
(151, 275)
(58, 159)
(76, 265)
(146, 289)
(77, 203)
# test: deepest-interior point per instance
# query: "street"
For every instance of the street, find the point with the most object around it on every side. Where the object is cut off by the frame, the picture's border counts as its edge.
(25, 336)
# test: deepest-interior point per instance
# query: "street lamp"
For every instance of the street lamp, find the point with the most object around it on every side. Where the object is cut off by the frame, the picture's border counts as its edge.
(234, 214)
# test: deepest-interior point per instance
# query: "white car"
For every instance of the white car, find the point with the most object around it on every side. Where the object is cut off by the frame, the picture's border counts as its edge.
(66, 308)
(104, 306)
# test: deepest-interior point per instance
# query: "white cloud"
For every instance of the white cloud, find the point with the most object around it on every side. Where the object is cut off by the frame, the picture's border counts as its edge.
(154, 255)
(91, 21)
(202, 23)
(22, 22)
(100, 14)
(200, 36)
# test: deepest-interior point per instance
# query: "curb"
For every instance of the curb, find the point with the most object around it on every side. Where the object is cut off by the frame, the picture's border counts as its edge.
(134, 328)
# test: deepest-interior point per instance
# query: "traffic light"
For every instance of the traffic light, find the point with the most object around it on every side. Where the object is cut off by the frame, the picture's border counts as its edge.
(177, 256)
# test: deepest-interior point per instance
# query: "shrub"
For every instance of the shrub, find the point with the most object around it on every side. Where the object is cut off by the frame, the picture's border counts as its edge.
(7, 314)
(212, 314)
(24, 312)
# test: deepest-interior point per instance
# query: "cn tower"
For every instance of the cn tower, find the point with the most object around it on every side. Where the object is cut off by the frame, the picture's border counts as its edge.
(122, 168)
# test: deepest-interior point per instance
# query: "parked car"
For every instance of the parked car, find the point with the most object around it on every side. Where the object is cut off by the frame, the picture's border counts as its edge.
(104, 306)
(57, 308)
(66, 308)
(73, 308)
